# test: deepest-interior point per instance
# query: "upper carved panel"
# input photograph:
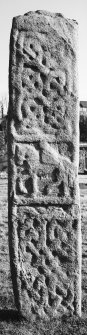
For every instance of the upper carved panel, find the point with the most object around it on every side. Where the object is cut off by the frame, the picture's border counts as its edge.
(44, 88)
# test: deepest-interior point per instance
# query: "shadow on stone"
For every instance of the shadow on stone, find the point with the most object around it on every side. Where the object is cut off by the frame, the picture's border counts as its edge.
(9, 315)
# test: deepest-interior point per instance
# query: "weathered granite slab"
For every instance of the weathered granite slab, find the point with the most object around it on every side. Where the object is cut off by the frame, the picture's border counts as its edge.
(43, 146)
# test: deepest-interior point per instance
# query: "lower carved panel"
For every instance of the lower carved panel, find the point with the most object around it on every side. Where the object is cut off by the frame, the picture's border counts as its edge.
(45, 260)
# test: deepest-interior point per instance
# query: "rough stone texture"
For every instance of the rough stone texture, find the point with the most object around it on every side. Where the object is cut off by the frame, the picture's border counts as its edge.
(44, 215)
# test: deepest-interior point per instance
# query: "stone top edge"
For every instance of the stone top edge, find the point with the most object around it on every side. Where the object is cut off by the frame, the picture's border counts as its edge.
(45, 13)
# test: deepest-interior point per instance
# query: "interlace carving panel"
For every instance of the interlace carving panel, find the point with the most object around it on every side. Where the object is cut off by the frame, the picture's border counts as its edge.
(43, 146)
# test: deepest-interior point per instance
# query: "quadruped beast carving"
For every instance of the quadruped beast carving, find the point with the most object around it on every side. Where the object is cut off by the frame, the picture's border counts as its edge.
(43, 146)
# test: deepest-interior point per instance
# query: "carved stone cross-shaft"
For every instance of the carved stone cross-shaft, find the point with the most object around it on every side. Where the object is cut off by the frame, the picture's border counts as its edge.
(43, 146)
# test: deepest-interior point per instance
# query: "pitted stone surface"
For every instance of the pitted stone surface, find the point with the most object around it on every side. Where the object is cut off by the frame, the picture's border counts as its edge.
(44, 219)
